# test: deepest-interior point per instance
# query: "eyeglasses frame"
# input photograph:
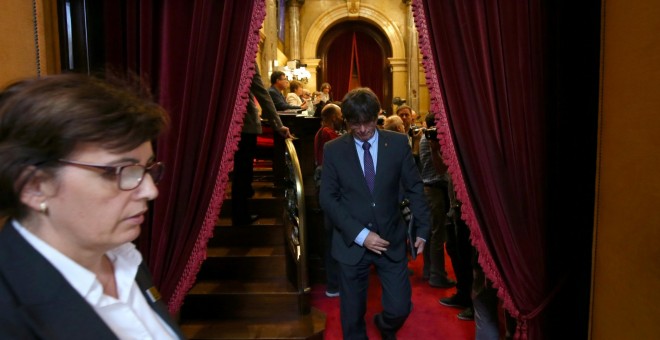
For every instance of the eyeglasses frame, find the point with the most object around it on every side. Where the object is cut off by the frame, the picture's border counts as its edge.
(117, 170)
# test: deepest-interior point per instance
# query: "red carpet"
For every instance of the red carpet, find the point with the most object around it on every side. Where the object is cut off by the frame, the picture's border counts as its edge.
(428, 320)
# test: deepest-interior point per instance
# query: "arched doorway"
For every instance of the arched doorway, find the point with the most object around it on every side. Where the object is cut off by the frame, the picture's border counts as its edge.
(353, 48)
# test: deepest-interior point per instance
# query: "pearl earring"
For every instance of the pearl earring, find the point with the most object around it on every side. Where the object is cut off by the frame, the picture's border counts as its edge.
(43, 208)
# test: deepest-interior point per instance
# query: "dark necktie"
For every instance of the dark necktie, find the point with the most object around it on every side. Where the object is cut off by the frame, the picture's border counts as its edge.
(369, 171)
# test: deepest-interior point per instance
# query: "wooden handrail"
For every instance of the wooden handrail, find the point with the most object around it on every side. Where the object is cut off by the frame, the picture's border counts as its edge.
(295, 217)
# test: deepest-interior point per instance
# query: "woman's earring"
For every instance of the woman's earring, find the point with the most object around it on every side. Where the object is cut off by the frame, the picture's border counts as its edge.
(43, 208)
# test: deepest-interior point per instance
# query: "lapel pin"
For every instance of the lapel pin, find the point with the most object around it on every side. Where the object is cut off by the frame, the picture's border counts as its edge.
(153, 293)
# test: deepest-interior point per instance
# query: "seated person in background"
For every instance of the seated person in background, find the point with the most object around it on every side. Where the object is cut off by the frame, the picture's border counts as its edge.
(294, 97)
(331, 127)
(394, 123)
(307, 97)
(77, 173)
(278, 83)
(324, 97)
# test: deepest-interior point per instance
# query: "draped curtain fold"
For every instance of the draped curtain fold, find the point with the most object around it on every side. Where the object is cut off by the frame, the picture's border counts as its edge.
(371, 63)
(484, 66)
(364, 51)
(200, 60)
(354, 77)
(339, 65)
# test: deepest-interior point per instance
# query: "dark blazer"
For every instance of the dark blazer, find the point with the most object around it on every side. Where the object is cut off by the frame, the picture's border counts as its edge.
(36, 301)
(258, 92)
(349, 204)
(279, 101)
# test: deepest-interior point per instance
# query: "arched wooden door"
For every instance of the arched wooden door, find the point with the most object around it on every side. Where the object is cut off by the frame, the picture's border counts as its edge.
(355, 53)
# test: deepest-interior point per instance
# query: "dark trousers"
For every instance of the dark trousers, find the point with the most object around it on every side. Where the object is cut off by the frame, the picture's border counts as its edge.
(434, 249)
(396, 298)
(241, 184)
(460, 252)
(331, 265)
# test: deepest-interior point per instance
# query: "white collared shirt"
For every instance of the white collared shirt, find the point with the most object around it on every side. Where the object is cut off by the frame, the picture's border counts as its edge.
(129, 316)
(373, 150)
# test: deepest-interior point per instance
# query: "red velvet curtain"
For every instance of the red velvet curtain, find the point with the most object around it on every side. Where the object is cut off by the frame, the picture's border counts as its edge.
(370, 61)
(484, 65)
(199, 56)
(339, 65)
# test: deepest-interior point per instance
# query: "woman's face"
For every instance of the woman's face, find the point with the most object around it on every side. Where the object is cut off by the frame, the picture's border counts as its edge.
(299, 91)
(86, 208)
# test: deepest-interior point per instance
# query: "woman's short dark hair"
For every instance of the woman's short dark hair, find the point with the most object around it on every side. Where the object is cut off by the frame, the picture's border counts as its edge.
(44, 120)
(360, 105)
(294, 85)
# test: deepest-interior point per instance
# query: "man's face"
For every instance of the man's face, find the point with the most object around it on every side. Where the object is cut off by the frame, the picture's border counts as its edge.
(363, 131)
(282, 82)
(406, 117)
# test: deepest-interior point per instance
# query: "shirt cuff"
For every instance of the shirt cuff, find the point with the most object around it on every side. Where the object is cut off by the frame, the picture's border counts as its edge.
(361, 237)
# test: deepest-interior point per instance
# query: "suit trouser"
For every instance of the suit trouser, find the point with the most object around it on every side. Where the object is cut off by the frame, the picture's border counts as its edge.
(434, 250)
(331, 265)
(484, 301)
(396, 298)
(460, 252)
(241, 184)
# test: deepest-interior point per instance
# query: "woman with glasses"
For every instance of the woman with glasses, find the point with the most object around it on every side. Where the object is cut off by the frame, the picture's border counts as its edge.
(77, 170)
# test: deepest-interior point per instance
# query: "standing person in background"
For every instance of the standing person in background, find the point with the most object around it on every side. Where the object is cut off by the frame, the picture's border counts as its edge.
(279, 82)
(77, 172)
(331, 127)
(241, 183)
(394, 123)
(414, 132)
(461, 252)
(364, 175)
(434, 176)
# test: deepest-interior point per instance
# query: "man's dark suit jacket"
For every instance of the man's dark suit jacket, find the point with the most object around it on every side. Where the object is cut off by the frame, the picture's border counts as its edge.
(279, 101)
(349, 204)
(258, 92)
(36, 301)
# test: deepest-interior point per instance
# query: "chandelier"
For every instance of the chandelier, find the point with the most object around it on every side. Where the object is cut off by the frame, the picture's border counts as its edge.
(296, 71)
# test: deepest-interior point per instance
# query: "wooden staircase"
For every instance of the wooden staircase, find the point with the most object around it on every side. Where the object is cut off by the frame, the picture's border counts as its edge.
(242, 289)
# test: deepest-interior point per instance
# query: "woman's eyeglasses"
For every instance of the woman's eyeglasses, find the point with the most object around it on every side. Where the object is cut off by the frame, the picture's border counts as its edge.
(128, 176)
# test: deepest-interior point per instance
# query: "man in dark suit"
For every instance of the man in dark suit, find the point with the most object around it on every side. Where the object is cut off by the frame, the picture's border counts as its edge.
(278, 82)
(241, 185)
(365, 175)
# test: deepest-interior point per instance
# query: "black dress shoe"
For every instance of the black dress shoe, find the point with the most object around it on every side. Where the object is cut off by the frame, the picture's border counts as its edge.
(456, 301)
(467, 314)
(384, 334)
